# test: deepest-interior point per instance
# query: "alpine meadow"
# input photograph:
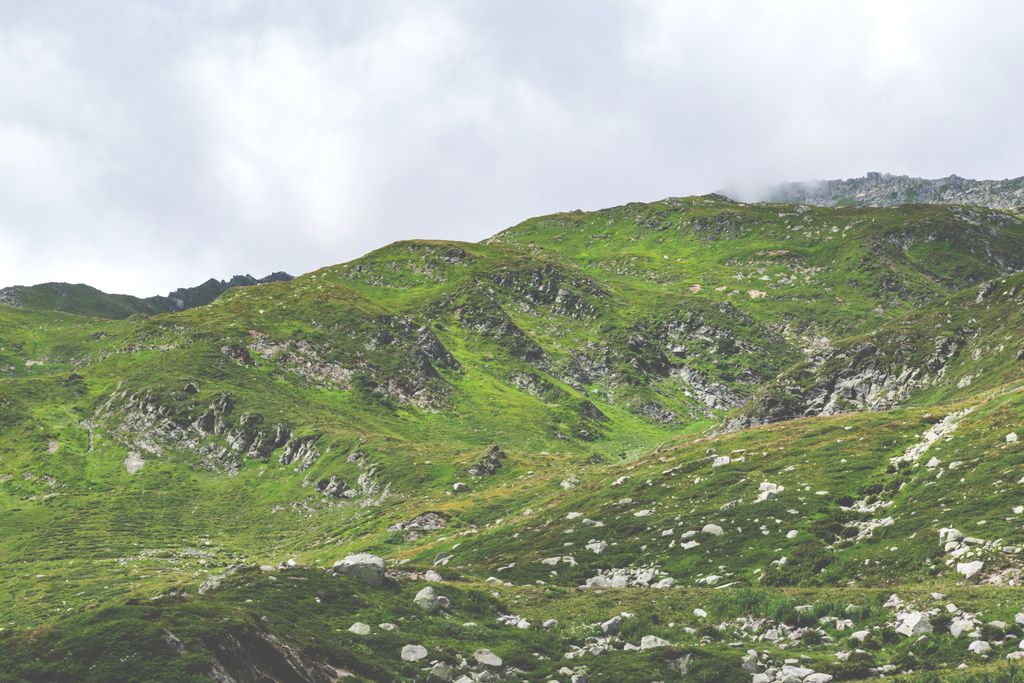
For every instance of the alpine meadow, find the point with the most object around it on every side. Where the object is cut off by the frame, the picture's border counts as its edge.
(511, 341)
(694, 438)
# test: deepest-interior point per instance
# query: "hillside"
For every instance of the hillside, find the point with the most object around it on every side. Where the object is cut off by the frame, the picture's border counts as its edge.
(884, 189)
(687, 440)
(85, 300)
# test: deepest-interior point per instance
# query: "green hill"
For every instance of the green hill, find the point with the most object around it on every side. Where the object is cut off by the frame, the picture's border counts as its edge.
(746, 426)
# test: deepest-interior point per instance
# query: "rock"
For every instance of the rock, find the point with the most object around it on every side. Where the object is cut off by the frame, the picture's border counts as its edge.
(970, 569)
(1015, 656)
(360, 629)
(913, 624)
(860, 636)
(432, 576)
(612, 626)
(413, 653)
(459, 487)
(428, 600)
(979, 647)
(651, 642)
(550, 623)
(791, 534)
(133, 463)
(570, 483)
(487, 658)
(798, 672)
(818, 678)
(597, 547)
(768, 491)
(960, 625)
(1011, 437)
(363, 567)
(386, 626)
(949, 535)
(440, 673)
(490, 463)
(761, 678)
(712, 529)
(700, 614)
(750, 663)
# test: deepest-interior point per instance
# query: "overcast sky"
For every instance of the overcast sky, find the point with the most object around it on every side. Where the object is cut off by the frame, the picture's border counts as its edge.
(150, 145)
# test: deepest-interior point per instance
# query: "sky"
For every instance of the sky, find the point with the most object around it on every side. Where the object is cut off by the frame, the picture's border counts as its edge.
(150, 145)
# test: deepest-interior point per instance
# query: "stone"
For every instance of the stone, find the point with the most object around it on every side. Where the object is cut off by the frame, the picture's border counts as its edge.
(818, 678)
(970, 569)
(459, 487)
(428, 600)
(487, 658)
(960, 625)
(650, 642)
(860, 636)
(913, 624)
(712, 530)
(440, 673)
(1011, 437)
(364, 567)
(612, 626)
(949, 535)
(360, 629)
(979, 647)
(700, 614)
(413, 653)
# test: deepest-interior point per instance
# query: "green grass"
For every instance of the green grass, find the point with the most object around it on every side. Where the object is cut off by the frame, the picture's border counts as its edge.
(579, 344)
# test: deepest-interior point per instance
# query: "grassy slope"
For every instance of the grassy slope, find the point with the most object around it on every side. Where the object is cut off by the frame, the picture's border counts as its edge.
(82, 535)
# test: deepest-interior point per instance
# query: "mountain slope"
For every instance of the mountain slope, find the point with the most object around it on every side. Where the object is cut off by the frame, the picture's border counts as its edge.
(524, 416)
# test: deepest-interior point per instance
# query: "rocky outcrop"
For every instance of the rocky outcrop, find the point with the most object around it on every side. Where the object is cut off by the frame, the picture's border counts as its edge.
(883, 189)
(490, 463)
(421, 524)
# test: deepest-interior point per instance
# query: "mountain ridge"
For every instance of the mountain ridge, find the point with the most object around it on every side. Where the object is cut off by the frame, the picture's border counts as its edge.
(884, 189)
(87, 300)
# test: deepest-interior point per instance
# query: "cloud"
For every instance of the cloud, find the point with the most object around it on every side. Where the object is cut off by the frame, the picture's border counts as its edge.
(153, 145)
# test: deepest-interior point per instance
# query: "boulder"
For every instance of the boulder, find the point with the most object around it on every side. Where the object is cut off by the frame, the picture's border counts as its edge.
(979, 647)
(440, 673)
(429, 601)
(650, 642)
(360, 629)
(913, 624)
(413, 653)
(949, 535)
(363, 567)
(970, 569)
(712, 530)
(612, 626)
(487, 658)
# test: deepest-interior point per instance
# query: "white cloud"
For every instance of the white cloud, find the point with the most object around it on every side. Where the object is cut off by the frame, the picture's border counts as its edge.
(152, 145)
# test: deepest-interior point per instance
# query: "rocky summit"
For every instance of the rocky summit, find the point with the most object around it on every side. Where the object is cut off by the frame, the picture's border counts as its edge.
(693, 440)
(884, 189)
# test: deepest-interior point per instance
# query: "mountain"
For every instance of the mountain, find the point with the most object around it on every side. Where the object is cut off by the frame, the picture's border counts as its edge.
(693, 439)
(85, 300)
(883, 189)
